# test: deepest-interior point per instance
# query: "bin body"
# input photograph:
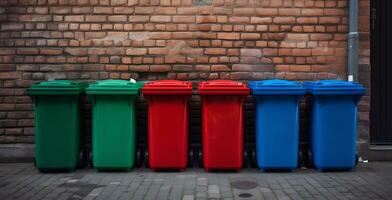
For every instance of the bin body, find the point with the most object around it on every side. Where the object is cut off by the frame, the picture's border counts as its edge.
(57, 124)
(277, 123)
(113, 123)
(222, 123)
(168, 122)
(334, 123)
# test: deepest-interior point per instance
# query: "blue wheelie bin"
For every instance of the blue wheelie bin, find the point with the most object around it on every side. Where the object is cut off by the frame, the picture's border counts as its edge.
(334, 123)
(277, 123)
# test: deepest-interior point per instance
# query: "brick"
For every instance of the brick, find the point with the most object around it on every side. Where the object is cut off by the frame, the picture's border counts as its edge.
(160, 68)
(118, 2)
(187, 10)
(52, 51)
(228, 36)
(284, 20)
(183, 68)
(74, 18)
(8, 123)
(139, 68)
(320, 51)
(266, 12)
(297, 37)
(94, 35)
(289, 11)
(28, 51)
(158, 51)
(202, 68)
(160, 35)
(165, 2)
(240, 75)
(144, 10)
(95, 18)
(321, 37)
(299, 68)
(166, 10)
(282, 67)
(329, 20)
(9, 75)
(301, 52)
(82, 10)
(60, 10)
(183, 35)
(123, 10)
(250, 36)
(184, 19)
(334, 12)
(239, 19)
(115, 51)
(221, 68)
(117, 18)
(76, 51)
(139, 18)
(160, 18)
(251, 52)
(11, 27)
(269, 52)
(311, 12)
(307, 20)
(103, 10)
(136, 51)
(244, 11)
(261, 20)
(215, 51)
(206, 19)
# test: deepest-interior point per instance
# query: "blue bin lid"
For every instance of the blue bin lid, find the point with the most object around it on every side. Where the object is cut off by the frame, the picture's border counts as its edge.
(276, 87)
(334, 87)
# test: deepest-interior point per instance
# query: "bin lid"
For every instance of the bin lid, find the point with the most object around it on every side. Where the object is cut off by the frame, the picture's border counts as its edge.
(276, 87)
(223, 87)
(57, 87)
(114, 87)
(334, 87)
(167, 87)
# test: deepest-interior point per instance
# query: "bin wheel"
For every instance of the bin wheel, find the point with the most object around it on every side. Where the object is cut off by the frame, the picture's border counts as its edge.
(138, 158)
(35, 162)
(300, 158)
(146, 159)
(200, 158)
(309, 162)
(253, 158)
(190, 158)
(356, 158)
(81, 160)
(90, 160)
(245, 159)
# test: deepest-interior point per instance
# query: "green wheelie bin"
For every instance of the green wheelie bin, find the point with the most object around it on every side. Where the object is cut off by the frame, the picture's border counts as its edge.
(113, 123)
(57, 124)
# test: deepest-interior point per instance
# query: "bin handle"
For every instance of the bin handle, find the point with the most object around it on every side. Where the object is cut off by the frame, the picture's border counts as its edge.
(277, 82)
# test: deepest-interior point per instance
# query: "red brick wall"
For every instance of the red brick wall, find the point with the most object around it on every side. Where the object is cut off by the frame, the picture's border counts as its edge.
(173, 39)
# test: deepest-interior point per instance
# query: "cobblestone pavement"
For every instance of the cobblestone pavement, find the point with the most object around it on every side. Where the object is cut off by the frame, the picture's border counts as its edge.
(368, 181)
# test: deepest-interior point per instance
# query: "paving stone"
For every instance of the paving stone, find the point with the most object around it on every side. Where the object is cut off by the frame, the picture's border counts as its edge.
(23, 181)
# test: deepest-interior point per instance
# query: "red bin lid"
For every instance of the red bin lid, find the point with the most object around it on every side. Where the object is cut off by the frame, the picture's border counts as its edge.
(223, 87)
(167, 87)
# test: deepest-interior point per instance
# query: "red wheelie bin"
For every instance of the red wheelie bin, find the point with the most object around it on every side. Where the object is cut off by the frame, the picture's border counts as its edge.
(168, 123)
(222, 123)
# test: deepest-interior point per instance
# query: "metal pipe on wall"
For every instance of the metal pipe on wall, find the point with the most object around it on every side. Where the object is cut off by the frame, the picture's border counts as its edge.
(353, 41)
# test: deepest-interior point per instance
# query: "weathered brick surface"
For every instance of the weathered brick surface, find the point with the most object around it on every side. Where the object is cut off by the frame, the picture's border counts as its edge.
(176, 39)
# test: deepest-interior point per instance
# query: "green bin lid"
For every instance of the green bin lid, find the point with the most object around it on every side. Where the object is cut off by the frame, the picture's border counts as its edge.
(57, 87)
(114, 87)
